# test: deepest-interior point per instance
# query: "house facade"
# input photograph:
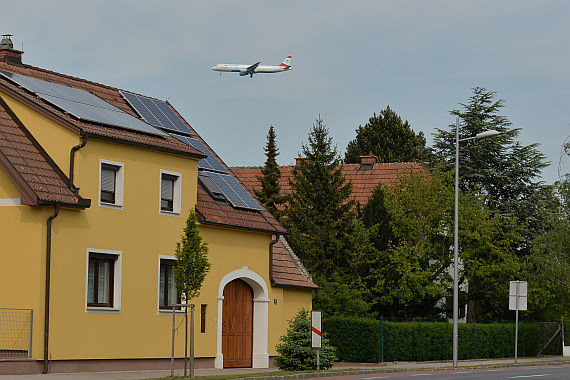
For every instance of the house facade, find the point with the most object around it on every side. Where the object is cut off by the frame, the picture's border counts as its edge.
(96, 184)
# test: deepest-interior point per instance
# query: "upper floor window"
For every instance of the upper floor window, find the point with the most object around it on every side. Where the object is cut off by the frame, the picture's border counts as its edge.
(170, 192)
(111, 183)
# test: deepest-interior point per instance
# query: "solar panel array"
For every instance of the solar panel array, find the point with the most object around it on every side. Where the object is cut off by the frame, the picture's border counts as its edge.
(233, 190)
(81, 104)
(208, 163)
(156, 112)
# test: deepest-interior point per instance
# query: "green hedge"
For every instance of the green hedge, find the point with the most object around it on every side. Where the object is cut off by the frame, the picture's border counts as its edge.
(367, 340)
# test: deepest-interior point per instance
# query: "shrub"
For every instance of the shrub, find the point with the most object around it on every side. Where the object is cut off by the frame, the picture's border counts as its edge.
(295, 352)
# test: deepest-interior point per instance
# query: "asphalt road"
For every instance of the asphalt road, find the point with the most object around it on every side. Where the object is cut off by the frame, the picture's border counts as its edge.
(560, 372)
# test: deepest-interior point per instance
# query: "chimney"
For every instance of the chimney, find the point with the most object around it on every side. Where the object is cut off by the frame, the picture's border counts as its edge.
(8, 53)
(367, 162)
(299, 160)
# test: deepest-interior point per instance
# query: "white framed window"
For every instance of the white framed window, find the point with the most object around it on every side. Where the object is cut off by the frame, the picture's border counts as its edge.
(167, 293)
(103, 280)
(170, 192)
(111, 183)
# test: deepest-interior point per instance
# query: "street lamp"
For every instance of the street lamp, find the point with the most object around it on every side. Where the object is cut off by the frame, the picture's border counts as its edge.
(478, 136)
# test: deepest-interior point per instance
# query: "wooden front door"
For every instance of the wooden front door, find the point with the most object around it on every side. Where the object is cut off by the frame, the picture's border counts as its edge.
(237, 324)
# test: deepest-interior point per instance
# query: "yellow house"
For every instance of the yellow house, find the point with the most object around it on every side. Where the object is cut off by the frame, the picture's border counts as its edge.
(96, 184)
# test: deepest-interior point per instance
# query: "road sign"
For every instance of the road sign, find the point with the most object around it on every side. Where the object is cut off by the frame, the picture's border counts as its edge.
(316, 329)
(518, 295)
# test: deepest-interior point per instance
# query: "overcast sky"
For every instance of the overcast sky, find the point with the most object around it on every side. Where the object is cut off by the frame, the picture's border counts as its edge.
(350, 60)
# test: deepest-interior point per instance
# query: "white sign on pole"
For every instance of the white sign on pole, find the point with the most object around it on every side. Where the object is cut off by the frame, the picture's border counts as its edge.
(518, 292)
(316, 329)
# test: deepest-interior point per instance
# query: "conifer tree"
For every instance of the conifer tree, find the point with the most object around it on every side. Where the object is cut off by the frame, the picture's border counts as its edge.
(506, 173)
(388, 138)
(270, 193)
(319, 214)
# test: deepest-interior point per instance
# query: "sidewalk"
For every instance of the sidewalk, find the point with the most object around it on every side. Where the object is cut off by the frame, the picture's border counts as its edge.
(391, 367)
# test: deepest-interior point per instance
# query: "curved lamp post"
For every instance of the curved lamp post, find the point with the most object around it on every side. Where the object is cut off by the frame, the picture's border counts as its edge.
(478, 136)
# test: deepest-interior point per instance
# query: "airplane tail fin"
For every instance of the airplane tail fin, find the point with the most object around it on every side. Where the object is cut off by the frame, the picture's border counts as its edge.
(286, 62)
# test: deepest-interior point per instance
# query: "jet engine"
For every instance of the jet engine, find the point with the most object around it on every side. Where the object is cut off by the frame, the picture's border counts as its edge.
(242, 72)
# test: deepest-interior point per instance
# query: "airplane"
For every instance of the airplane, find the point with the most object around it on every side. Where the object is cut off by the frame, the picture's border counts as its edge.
(244, 70)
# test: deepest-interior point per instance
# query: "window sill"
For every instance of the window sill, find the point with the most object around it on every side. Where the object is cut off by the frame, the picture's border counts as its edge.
(171, 213)
(101, 309)
(169, 312)
(111, 205)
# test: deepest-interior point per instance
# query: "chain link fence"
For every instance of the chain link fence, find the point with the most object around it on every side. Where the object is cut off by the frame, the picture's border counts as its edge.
(16, 333)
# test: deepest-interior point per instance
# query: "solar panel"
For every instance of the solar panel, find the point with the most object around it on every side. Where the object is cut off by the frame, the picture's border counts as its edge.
(156, 112)
(233, 190)
(208, 163)
(81, 104)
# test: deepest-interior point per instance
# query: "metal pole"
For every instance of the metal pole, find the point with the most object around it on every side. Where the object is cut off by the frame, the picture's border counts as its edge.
(455, 248)
(517, 322)
(172, 351)
(186, 339)
(192, 340)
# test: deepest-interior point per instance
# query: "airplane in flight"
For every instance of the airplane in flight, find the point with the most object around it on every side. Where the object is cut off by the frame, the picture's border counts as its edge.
(244, 70)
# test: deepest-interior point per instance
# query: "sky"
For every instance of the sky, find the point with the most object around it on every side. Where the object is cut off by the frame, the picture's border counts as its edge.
(351, 59)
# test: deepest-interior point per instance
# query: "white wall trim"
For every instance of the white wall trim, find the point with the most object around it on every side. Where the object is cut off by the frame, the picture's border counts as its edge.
(260, 357)
(10, 202)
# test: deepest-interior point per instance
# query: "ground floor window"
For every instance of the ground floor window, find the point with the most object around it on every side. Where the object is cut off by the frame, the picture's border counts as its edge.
(168, 295)
(100, 279)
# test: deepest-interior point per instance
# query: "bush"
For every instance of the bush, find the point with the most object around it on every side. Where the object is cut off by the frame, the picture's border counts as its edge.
(365, 340)
(295, 352)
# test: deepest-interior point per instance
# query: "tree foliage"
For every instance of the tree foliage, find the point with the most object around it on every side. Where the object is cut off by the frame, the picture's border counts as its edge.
(319, 214)
(549, 264)
(192, 263)
(388, 138)
(270, 193)
(294, 348)
(505, 172)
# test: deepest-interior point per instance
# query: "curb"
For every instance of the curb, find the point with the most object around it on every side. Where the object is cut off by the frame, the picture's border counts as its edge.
(312, 375)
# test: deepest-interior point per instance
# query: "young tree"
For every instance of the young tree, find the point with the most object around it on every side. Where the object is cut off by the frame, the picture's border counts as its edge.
(387, 137)
(294, 349)
(191, 268)
(270, 193)
(505, 172)
(319, 214)
(192, 263)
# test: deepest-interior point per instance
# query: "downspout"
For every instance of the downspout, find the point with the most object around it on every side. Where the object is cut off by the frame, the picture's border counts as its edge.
(273, 242)
(72, 162)
(47, 290)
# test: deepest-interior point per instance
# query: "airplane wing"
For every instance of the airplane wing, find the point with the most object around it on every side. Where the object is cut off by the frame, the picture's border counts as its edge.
(252, 68)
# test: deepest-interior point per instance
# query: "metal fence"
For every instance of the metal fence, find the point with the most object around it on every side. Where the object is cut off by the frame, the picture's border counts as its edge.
(16, 333)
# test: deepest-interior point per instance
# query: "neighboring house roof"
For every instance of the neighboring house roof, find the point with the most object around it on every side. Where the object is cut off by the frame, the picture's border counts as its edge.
(288, 271)
(364, 176)
(212, 212)
(39, 180)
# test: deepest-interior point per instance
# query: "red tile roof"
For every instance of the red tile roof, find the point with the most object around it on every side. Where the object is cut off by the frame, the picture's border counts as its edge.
(364, 178)
(288, 271)
(36, 176)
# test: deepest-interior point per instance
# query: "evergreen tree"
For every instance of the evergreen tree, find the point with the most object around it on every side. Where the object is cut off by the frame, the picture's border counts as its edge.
(319, 214)
(387, 137)
(270, 194)
(294, 348)
(505, 172)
